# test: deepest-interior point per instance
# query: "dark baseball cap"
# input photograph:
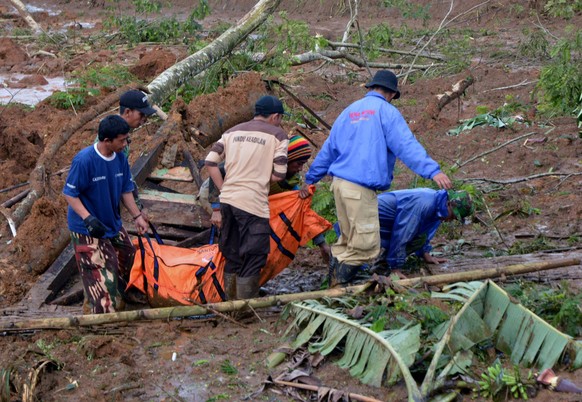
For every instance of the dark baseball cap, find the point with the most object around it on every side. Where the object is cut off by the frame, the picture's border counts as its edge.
(138, 100)
(268, 105)
(111, 126)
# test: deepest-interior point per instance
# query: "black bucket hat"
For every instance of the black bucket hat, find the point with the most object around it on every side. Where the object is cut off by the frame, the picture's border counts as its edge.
(386, 79)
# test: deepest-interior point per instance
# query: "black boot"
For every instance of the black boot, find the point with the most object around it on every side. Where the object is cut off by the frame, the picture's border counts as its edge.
(247, 288)
(344, 273)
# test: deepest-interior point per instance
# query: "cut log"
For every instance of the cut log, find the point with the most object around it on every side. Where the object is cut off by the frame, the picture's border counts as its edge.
(174, 209)
(21, 8)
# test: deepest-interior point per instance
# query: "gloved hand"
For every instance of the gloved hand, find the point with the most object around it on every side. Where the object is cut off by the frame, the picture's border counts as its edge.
(94, 226)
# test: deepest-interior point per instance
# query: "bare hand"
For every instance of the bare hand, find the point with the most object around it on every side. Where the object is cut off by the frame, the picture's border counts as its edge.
(325, 252)
(430, 259)
(304, 191)
(443, 181)
(144, 213)
(141, 224)
(216, 219)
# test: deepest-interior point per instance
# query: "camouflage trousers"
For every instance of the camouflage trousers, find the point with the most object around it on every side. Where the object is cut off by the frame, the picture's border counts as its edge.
(104, 265)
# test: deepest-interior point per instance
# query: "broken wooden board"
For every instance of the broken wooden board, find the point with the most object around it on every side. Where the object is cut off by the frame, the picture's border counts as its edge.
(174, 209)
(178, 173)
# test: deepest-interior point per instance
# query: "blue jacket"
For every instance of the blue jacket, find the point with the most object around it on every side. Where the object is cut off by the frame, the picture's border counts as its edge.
(410, 215)
(364, 143)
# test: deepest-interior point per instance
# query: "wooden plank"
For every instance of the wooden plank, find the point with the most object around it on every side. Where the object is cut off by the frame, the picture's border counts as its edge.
(178, 173)
(147, 162)
(160, 196)
(194, 171)
(49, 283)
(187, 214)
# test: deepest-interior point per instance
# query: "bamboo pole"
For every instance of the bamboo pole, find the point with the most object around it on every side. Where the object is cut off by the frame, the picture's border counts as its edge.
(186, 311)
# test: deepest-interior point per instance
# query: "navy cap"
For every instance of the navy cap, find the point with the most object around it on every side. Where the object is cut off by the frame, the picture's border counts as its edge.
(111, 126)
(268, 105)
(386, 79)
(138, 100)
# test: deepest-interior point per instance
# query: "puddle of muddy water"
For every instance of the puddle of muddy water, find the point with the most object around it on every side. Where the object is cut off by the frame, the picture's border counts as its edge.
(28, 96)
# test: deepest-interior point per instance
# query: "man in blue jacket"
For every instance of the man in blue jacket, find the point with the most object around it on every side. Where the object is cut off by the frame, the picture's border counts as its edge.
(359, 154)
(409, 220)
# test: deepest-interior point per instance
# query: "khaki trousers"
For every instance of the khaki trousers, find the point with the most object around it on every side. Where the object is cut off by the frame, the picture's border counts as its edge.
(357, 213)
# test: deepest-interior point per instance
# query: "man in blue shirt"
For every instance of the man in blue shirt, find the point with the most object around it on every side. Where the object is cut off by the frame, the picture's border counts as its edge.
(409, 220)
(98, 181)
(359, 154)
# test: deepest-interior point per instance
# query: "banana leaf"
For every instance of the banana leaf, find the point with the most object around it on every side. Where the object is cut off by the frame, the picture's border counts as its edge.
(519, 333)
(367, 354)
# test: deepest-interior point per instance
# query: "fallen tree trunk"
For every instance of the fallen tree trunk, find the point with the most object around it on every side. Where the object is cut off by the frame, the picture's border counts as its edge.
(186, 311)
(434, 108)
(21, 8)
(171, 79)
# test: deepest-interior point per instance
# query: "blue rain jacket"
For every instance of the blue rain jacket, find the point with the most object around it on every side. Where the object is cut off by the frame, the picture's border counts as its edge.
(408, 216)
(364, 143)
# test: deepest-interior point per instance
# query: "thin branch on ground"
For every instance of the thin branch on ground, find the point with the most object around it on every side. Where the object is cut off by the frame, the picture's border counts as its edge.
(521, 84)
(494, 225)
(337, 45)
(521, 179)
(457, 164)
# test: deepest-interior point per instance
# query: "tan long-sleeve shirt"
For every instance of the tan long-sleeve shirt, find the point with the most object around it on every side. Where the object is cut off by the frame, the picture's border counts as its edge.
(251, 152)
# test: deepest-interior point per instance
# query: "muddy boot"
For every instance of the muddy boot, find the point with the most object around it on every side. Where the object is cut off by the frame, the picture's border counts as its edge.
(343, 274)
(247, 288)
(230, 286)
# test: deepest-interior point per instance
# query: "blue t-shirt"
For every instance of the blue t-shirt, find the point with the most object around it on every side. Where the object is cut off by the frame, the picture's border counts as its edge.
(363, 145)
(98, 182)
(409, 215)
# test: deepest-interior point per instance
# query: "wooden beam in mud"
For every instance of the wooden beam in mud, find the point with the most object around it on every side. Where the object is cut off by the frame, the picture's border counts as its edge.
(49, 283)
(166, 232)
(178, 173)
(175, 212)
(147, 162)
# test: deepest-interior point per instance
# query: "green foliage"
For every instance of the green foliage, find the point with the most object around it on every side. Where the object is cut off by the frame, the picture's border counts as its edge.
(560, 81)
(563, 8)
(142, 28)
(430, 316)
(87, 83)
(457, 50)
(227, 368)
(534, 45)
(558, 305)
(110, 77)
(202, 10)
(410, 10)
(73, 98)
(323, 203)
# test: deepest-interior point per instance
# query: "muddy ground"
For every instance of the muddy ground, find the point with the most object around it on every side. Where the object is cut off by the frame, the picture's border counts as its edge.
(135, 361)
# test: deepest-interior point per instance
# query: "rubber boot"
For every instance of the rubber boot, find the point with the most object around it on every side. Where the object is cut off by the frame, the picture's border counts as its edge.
(230, 286)
(247, 287)
(344, 273)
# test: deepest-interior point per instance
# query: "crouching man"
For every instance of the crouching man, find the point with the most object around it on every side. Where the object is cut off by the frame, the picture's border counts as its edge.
(98, 181)
(409, 220)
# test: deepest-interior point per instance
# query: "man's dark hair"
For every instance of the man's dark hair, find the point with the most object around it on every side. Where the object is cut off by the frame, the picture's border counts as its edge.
(111, 126)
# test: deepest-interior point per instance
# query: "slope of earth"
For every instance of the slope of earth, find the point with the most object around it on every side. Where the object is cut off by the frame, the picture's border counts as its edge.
(215, 359)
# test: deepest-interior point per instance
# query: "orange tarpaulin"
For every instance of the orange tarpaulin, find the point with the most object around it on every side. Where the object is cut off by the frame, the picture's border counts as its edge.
(172, 275)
